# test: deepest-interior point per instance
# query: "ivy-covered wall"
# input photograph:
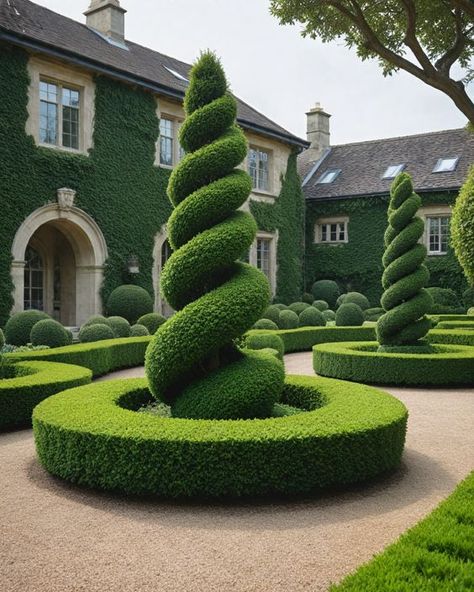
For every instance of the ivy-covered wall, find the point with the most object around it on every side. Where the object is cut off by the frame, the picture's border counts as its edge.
(117, 183)
(357, 265)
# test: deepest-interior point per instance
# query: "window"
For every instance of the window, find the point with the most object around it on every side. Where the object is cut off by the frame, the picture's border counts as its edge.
(328, 176)
(166, 253)
(392, 171)
(263, 255)
(176, 74)
(437, 233)
(446, 165)
(33, 281)
(332, 231)
(258, 168)
(59, 115)
(171, 152)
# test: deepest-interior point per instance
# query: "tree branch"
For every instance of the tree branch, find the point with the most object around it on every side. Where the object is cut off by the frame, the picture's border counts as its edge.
(446, 61)
(466, 5)
(411, 39)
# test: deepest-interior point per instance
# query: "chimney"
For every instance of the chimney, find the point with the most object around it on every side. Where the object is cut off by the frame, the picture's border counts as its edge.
(107, 17)
(317, 129)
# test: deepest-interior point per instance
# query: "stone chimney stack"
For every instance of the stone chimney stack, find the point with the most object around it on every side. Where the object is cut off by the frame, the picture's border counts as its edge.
(107, 17)
(317, 129)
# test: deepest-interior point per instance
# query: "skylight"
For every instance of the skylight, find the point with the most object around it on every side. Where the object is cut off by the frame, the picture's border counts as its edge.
(446, 165)
(393, 170)
(329, 176)
(176, 74)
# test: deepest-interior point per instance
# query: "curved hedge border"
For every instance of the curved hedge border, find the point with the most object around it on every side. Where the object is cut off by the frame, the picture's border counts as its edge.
(454, 337)
(92, 436)
(28, 383)
(361, 362)
(100, 357)
(436, 554)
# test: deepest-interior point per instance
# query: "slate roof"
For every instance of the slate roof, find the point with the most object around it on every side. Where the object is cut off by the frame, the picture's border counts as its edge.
(30, 25)
(363, 164)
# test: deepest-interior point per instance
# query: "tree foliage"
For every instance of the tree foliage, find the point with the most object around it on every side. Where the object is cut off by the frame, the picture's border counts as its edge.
(462, 227)
(426, 38)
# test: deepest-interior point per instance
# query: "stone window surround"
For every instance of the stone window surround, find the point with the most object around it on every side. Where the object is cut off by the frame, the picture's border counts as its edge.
(41, 69)
(259, 148)
(273, 237)
(174, 112)
(434, 211)
(331, 220)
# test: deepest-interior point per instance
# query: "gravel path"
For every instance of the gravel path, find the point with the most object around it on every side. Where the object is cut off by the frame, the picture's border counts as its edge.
(58, 538)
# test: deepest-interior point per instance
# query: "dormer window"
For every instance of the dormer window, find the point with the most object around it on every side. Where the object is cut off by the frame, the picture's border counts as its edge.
(328, 176)
(446, 165)
(392, 171)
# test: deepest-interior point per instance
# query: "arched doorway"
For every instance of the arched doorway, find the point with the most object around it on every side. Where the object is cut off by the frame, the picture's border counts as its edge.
(58, 259)
(161, 253)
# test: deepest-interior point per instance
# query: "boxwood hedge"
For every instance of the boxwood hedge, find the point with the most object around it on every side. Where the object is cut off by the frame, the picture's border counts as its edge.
(361, 362)
(24, 385)
(455, 336)
(100, 357)
(436, 555)
(95, 437)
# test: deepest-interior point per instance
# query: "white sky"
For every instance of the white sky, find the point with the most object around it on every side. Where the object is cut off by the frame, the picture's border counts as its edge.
(281, 74)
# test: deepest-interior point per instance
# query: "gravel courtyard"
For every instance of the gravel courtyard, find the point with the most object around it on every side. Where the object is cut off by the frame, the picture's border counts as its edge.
(59, 538)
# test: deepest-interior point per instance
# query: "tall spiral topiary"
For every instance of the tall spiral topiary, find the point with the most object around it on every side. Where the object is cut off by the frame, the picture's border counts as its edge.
(405, 299)
(191, 362)
(462, 227)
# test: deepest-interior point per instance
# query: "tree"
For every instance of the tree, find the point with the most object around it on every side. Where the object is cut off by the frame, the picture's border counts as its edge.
(426, 38)
(405, 299)
(462, 227)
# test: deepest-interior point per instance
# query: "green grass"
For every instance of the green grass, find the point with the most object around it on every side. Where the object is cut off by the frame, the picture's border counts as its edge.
(437, 555)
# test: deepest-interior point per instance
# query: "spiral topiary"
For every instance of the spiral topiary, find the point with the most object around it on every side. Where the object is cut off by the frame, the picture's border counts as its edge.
(462, 227)
(405, 299)
(192, 363)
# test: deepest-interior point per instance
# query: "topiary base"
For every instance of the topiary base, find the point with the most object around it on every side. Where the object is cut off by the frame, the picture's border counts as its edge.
(94, 436)
(451, 365)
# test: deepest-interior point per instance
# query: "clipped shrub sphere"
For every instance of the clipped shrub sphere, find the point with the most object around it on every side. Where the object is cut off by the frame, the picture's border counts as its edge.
(18, 327)
(307, 297)
(138, 331)
(321, 305)
(288, 319)
(329, 315)
(152, 321)
(311, 317)
(265, 324)
(119, 325)
(298, 307)
(356, 298)
(272, 313)
(96, 332)
(95, 319)
(264, 341)
(327, 290)
(339, 301)
(51, 333)
(349, 315)
(470, 311)
(280, 306)
(129, 301)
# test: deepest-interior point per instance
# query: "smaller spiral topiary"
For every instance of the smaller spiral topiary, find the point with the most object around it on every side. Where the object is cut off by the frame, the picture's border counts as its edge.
(18, 327)
(138, 331)
(265, 324)
(349, 315)
(130, 302)
(405, 299)
(96, 332)
(312, 317)
(119, 325)
(51, 333)
(152, 321)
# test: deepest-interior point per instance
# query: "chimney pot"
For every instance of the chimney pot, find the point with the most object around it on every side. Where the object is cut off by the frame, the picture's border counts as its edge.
(107, 17)
(317, 129)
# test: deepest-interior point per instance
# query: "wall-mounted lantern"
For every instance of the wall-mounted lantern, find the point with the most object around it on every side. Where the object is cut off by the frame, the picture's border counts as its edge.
(133, 265)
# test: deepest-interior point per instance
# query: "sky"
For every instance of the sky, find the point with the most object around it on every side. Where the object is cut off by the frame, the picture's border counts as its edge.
(280, 73)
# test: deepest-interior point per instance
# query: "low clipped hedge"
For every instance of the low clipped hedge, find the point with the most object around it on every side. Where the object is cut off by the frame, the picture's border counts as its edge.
(435, 555)
(24, 385)
(93, 436)
(456, 325)
(100, 357)
(361, 362)
(449, 317)
(303, 338)
(452, 336)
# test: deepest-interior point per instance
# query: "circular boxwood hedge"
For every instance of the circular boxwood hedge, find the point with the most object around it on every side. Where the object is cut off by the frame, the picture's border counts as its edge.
(349, 315)
(361, 362)
(96, 332)
(51, 333)
(93, 436)
(311, 317)
(265, 324)
(152, 321)
(130, 302)
(24, 384)
(138, 331)
(288, 319)
(327, 290)
(18, 327)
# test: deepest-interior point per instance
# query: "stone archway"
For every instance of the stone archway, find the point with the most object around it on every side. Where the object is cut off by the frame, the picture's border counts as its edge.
(73, 252)
(161, 252)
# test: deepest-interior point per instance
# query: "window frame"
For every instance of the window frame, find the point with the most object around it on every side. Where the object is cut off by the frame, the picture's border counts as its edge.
(269, 185)
(321, 181)
(441, 160)
(177, 150)
(398, 167)
(439, 218)
(272, 238)
(434, 211)
(324, 222)
(61, 85)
